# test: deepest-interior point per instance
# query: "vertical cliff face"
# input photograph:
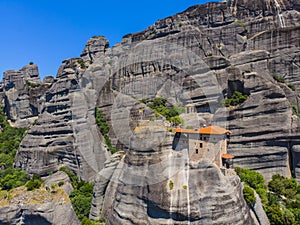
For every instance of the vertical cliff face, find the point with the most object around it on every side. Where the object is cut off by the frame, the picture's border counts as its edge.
(65, 133)
(241, 46)
(22, 93)
(40, 206)
(196, 58)
(161, 186)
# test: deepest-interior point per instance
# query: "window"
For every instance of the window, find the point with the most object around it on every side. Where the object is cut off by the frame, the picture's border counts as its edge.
(197, 151)
(204, 138)
(201, 145)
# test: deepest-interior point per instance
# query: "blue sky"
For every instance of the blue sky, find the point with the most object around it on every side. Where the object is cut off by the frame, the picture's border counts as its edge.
(48, 31)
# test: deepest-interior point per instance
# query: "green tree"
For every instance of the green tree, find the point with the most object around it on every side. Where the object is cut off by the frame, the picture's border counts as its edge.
(81, 205)
(10, 139)
(236, 99)
(275, 215)
(283, 186)
(251, 177)
(104, 129)
(81, 196)
(249, 195)
(34, 183)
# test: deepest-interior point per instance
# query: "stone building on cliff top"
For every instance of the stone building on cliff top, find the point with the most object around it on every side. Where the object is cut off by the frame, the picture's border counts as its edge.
(209, 143)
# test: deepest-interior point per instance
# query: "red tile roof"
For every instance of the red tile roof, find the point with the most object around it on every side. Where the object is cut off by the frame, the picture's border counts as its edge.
(227, 156)
(205, 130)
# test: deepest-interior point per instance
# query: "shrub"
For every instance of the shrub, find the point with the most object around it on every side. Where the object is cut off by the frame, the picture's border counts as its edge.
(273, 199)
(278, 78)
(184, 187)
(292, 87)
(283, 186)
(104, 129)
(61, 183)
(86, 221)
(144, 100)
(236, 99)
(74, 179)
(275, 215)
(81, 204)
(241, 24)
(10, 139)
(14, 180)
(171, 185)
(263, 194)
(170, 113)
(81, 196)
(170, 129)
(176, 120)
(252, 178)
(295, 109)
(34, 183)
(189, 127)
(30, 84)
(81, 63)
(278, 209)
(249, 195)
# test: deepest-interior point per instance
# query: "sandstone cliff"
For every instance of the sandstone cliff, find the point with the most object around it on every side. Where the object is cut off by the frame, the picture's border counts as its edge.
(162, 186)
(65, 133)
(23, 95)
(43, 207)
(195, 58)
(220, 48)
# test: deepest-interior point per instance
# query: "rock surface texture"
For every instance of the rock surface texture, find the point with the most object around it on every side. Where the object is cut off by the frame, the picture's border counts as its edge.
(65, 133)
(161, 186)
(23, 95)
(195, 58)
(220, 48)
(40, 207)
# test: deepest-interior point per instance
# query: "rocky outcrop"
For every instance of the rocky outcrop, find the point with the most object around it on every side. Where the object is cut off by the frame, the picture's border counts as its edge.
(22, 93)
(46, 214)
(196, 58)
(161, 186)
(43, 206)
(259, 211)
(238, 46)
(95, 48)
(100, 185)
(65, 133)
(187, 58)
(263, 125)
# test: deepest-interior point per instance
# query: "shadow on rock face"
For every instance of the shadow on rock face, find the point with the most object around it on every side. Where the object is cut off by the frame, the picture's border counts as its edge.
(35, 220)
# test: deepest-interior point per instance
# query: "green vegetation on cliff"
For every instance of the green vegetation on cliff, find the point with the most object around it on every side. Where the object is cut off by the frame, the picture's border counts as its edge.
(34, 183)
(32, 84)
(236, 99)
(81, 197)
(249, 195)
(280, 198)
(104, 129)
(159, 105)
(10, 139)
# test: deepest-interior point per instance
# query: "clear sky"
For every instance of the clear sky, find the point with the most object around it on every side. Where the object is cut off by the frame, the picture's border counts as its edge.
(48, 31)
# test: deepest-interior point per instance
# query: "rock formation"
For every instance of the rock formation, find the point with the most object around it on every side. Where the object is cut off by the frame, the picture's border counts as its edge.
(195, 58)
(65, 133)
(40, 206)
(238, 48)
(161, 186)
(22, 93)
